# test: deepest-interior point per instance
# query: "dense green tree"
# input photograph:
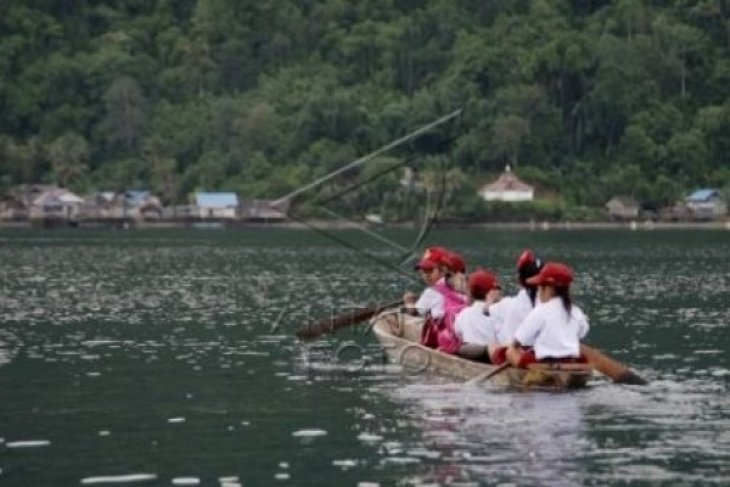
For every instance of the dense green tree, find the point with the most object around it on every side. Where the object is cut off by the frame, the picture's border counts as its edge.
(626, 180)
(679, 44)
(162, 169)
(124, 119)
(714, 123)
(69, 156)
(686, 157)
(637, 148)
(507, 135)
(586, 99)
(663, 192)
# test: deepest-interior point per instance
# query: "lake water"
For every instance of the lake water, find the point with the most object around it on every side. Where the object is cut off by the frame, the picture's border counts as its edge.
(168, 358)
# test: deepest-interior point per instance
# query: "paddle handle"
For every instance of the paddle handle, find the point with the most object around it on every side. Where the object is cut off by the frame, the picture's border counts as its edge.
(488, 375)
(330, 325)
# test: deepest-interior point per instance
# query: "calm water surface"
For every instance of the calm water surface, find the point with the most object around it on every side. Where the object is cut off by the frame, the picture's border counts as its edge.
(167, 358)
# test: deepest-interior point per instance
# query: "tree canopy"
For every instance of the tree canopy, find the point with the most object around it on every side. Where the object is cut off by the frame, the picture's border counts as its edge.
(589, 98)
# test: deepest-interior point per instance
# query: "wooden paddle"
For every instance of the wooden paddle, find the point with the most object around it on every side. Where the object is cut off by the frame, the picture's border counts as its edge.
(488, 375)
(616, 371)
(612, 369)
(334, 323)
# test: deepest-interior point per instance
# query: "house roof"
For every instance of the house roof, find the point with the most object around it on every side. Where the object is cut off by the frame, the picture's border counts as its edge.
(136, 197)
(507, 181)
(28, 193)
(107, 195)
(626, 201)
(267, 209)
(216, 200)
(57, 196)
(701, 195)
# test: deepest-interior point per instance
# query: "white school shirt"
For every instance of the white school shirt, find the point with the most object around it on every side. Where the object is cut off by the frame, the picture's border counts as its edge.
(473, 326)
(510, 314)
(498, 312)
(431, 301)
(553, 332)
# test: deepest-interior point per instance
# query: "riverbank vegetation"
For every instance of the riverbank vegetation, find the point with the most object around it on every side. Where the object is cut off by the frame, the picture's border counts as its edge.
(584, 99)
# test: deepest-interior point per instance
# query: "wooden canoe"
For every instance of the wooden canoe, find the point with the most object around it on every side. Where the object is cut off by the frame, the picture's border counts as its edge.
(399, 335)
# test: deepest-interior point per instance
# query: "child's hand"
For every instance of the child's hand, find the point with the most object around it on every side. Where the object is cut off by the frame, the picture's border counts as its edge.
(493, 296)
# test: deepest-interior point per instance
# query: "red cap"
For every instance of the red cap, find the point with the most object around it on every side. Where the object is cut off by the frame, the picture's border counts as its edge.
(527, 258)
(426, 265)
(432, 257)
(482, 281)
(553, 274)
(455, 262)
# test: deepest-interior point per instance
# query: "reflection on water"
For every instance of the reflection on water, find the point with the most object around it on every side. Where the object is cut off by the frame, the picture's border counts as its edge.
(167, 358)
(606, 433)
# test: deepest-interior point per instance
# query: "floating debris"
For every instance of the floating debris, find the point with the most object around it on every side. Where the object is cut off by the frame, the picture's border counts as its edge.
(27, 444)
(310, 433)
(119, 479)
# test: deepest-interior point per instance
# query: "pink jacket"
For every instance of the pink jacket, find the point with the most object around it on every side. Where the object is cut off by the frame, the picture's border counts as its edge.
(454, 302)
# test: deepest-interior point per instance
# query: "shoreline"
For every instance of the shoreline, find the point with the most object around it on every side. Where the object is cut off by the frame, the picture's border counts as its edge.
(339, 225)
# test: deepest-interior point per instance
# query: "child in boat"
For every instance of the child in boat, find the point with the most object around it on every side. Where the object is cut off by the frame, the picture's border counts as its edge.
(431, 302)
(456, 272)
(473, 327)
(509, 312)
(555, 326)
(439, 302)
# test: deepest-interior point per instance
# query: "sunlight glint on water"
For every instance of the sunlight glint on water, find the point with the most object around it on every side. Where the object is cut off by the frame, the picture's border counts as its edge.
(168, 357)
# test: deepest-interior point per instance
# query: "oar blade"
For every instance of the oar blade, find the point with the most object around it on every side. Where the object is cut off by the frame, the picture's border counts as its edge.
(631, 378)
(616, 371)
(330, 325)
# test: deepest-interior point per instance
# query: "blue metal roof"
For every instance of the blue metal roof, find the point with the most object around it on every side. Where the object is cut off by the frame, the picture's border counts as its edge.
(136, 197)
(216, 200)
(703, 194)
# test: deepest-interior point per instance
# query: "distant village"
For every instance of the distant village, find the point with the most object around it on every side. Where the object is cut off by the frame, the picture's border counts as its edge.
(48, 206)
(702, 204)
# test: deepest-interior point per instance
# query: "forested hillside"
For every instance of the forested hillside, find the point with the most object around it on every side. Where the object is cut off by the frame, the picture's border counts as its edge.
(584, 98)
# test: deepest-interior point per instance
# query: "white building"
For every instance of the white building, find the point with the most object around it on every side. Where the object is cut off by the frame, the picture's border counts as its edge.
(56, 203)
(508, 187)
(706, 204)
(217, 205)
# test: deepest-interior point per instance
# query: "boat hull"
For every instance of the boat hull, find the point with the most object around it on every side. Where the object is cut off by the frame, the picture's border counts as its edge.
(399, 335)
